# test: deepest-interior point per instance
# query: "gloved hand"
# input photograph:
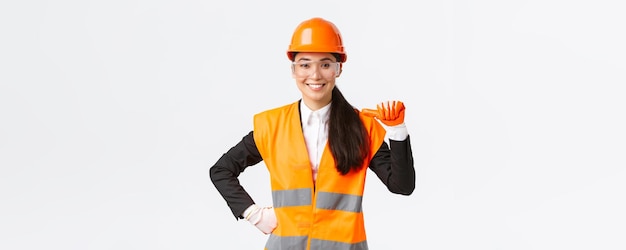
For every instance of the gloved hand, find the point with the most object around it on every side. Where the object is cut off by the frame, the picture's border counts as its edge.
(263, 218)
(390, 113)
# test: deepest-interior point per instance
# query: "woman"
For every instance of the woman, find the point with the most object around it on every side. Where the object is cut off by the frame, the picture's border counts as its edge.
(317, 151)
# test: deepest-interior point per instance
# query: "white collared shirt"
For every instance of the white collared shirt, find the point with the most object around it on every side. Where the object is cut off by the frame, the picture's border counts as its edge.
(315, 130)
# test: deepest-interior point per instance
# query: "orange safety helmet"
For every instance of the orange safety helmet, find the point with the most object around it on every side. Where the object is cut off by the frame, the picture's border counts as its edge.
(316, 35)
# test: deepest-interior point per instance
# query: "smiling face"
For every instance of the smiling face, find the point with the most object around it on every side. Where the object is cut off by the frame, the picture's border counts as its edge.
(315, 75)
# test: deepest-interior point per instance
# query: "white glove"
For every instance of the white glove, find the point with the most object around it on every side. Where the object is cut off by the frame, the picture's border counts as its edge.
(397, 133)
(263, 218)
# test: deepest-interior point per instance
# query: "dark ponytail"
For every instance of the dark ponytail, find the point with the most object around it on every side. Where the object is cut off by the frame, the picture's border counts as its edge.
(347, 138)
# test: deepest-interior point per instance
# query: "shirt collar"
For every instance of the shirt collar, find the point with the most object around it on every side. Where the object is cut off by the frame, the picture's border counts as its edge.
(306, 113)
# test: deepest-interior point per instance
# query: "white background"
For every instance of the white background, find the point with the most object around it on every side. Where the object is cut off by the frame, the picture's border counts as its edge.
(113, 111)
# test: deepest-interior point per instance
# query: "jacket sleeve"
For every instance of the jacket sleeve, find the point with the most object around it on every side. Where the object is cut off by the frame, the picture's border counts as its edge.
(394, 167)
(225, 172)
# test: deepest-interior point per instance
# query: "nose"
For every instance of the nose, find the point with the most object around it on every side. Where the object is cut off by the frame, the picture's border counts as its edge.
(315, 72)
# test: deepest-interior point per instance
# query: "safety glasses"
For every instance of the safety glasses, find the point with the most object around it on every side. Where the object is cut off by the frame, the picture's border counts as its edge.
(307, 68)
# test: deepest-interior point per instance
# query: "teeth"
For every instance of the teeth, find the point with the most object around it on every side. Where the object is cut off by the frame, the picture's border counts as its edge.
(316, 86)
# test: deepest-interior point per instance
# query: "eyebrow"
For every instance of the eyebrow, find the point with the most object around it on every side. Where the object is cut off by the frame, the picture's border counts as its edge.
(321, 60)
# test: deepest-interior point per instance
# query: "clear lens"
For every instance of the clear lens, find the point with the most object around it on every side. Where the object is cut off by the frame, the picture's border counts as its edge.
(306, 68)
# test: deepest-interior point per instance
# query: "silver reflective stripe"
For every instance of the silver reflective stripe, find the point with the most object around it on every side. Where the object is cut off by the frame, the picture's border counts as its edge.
(293, 197)
(336, 201)
(317, 244)
(275, 242)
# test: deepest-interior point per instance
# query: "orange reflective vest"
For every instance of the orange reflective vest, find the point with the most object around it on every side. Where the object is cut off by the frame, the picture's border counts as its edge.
(326, 214)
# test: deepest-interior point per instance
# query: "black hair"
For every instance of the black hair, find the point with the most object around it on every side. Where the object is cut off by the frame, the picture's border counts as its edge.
(347, 138)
